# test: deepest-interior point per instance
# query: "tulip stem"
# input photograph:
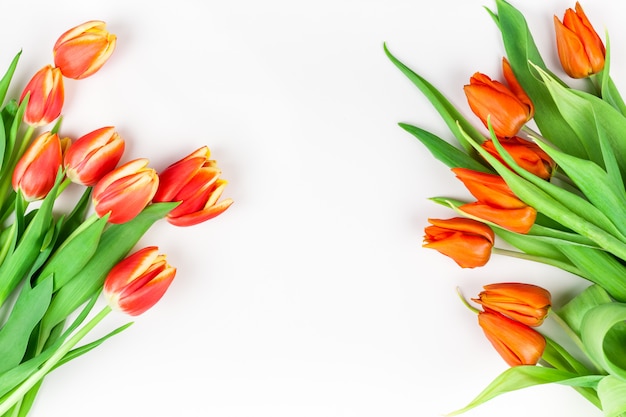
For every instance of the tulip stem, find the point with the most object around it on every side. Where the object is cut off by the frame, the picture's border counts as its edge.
(465, 302)
(542, 259)
(16, 395)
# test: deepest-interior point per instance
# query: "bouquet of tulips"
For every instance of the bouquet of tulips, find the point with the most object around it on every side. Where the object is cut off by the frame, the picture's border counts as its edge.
(546, 173)
(54, 266)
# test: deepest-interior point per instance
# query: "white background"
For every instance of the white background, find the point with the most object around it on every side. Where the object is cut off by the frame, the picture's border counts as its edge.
(311, 295)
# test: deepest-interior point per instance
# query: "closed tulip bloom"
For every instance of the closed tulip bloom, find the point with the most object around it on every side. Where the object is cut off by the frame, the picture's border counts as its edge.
(529, 304)
(526, 154)
(516, 343)
(36, 171)
(195, 182)
(508, 110)
(580, 49)
(138, 282)
(125, 191)
(518, 220)
(489, 188)
(46, 98)
(93, 155)
(468, 242)
(83, 50)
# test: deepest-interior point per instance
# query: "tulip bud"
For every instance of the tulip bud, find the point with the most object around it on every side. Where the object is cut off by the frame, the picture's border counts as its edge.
(526, 154)
(125, 191)
(507, 109)
(36, 171)
(516, 343)
(519, 220)
(46, 97)
(580, 49)
(137, 282)
(194, 181)
(529, 304)
(93, 155)
(82, 50)
(468, 242)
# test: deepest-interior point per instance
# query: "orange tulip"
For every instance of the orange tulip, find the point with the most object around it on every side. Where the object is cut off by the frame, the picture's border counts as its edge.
(519, 220)
(529, 304)
(580, 49)
(83, 50)
(136, 283)
(508, 109)
(468, 242)
(526, 154)
(36, 171)
(46, 98)
(93, 155)
(125, 191)
(194, 181)
(516, 343)
(490, 189)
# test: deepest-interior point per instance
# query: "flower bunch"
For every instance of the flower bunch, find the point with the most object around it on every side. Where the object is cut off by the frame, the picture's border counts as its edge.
(54, 266)
(545, 164)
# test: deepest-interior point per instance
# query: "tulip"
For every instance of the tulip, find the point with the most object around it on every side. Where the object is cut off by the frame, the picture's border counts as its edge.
(468, 242)
(507, 109)
(580, 49)
(83, 50)
(36, 171)
(490, 189)
(526, 303)
(194, 182)
(528, 155)
(93, 155)
(137, 282)
(516, 343)
(125, 191)
(518, 220)
(46, 97)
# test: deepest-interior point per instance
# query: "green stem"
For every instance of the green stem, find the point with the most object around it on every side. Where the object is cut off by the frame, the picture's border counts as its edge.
(16, 395)
(542, 259)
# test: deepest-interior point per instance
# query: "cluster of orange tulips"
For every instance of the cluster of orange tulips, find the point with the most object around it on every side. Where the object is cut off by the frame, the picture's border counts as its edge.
(554, 192)
(56, 265)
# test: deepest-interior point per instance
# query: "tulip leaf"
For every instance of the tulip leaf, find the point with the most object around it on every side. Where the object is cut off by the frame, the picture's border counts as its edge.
(448, 112)
(25, 314)
(609, 91)
(603, 333)
(612, 394)
(575, 309)
(116, 242)
(521, 50)
(525, 376)
(6, 79)
(443, 151)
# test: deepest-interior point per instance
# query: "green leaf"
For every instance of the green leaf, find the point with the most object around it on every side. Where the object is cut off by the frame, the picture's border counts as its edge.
(612, 394)
(519, 377)
(26, 313)
(6, 79)
(608, 90)
(445, 152)
(575, 309)
(448, 112)
(603, 332)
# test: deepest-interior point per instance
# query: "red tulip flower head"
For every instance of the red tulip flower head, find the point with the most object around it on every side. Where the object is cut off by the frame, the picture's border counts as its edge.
(46, 96)
(137, 282)
(36, 171)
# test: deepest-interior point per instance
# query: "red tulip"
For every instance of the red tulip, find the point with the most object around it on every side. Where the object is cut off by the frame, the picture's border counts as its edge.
(194, 181)
(125, 191)
(36, 171)
(529, 304)
(468, 242)
(580, 49)
(490, 189)
(516, 343)
(83, 50)
(137, 282)
(93, 155)
(526, 154)
(46, 97)
(519, 220)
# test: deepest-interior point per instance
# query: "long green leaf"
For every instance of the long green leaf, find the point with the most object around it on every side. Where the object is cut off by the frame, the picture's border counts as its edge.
(603, 332)
(612, 394)
(6, 79)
